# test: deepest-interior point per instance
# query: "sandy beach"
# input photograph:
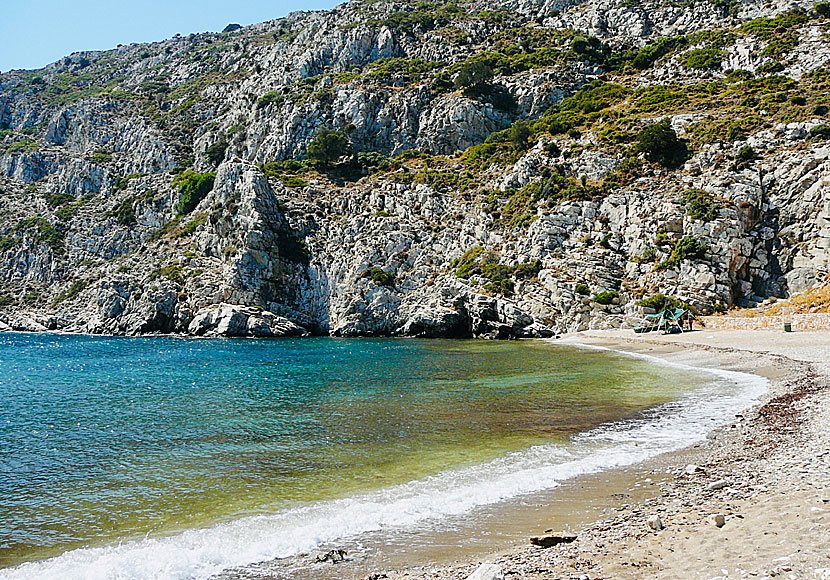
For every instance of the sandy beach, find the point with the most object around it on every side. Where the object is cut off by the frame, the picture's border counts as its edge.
(752, 501)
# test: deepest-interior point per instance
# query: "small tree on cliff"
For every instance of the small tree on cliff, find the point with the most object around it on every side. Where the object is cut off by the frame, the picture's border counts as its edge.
(660, 144)
(328, 147)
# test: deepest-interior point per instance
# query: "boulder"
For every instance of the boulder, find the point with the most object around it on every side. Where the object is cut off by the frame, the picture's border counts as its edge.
(487, 571)
(236, 320)
(552, 540)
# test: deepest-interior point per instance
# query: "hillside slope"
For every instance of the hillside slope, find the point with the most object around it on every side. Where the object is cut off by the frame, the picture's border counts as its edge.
(428, 169)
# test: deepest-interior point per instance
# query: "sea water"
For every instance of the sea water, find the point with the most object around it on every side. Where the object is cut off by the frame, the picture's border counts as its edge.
(138, 458)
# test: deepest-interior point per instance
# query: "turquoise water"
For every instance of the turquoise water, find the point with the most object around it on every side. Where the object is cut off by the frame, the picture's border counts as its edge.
(137, 440)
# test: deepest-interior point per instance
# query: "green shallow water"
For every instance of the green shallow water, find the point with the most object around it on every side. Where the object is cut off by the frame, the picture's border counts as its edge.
(111, 438)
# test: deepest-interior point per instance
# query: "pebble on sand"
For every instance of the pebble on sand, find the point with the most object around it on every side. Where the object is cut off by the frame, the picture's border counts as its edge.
(552, 540)
(715, 485)
(655, 523)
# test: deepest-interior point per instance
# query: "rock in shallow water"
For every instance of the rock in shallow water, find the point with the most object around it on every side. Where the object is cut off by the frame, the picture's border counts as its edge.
(235, 320)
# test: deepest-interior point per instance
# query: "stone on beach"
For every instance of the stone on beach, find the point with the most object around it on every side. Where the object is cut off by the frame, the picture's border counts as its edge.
(691, 469)
(655, 523)
(719, 520)
(552, 540)
(487, 571)
(716, 485)
(333, 556)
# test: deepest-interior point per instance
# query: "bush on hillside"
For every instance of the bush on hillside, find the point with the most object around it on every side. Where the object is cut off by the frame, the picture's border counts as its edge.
(379, 276)
(216, 152)
(193, 188)
(660, 144)
(328, 147)
(605, 298)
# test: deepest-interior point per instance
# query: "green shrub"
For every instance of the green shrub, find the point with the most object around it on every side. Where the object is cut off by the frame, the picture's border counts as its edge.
(660, 144)
(744, 157)
(328, 147)
(687, 248)
(473, 74)
(193, 188)
(409, 70)
(498, 278)
(65, 212)
(779, 33)
(704, 58)
(735, 132)
(467, 264)
(72, 292)
(7, 243)
(373, 162)
(658, 302)
(279, 168)
(120, 183)
(54, 200)
(216, 152)
(527, 270)
(659, 98)
(582, 289)
(651, 53)
(102, 156)
(605, 298)
(649, 255)
(42, 231)
(124, 212)
(701, 205)
(822, 9)
(269, 98)
(379, 276)
(191, 226)
(519, 136)
(22, 146)
(293, 181)
(455, 180)
(767, 27)
(172, 272)
(820, 132)
(520, 206)
(292, 248)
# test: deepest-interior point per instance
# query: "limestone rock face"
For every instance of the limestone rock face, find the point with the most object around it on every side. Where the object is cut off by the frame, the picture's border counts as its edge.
(100, 154)
(234, 320)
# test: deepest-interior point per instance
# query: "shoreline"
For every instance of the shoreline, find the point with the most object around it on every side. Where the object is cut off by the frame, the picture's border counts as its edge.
(609, 509)
(772, 464)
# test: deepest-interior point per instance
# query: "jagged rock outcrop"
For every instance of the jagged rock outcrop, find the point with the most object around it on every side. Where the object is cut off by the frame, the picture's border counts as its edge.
(233, 320)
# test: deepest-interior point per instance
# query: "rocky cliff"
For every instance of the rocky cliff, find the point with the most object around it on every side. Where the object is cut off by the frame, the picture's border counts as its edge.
(510, 168)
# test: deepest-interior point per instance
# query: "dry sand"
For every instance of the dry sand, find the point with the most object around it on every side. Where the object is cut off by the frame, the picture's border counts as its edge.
(767, 475)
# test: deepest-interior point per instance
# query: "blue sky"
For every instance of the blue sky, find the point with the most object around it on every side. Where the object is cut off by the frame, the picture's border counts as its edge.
(34, 33)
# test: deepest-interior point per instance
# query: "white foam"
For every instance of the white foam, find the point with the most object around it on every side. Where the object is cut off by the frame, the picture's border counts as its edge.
(197, 554)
